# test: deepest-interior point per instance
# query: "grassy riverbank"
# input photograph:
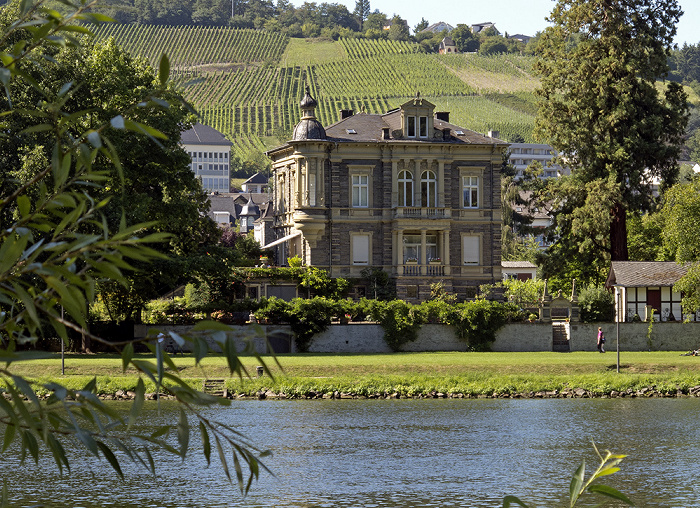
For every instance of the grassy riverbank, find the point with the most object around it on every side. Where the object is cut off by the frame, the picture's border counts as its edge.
(407, 374)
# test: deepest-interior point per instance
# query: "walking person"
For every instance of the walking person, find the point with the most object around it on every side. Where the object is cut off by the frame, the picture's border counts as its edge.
(601, 340)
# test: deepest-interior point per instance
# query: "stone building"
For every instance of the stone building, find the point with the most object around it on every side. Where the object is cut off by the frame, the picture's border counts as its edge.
(405, 191)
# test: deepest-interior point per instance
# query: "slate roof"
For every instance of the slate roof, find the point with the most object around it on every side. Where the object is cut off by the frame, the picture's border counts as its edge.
(645, 273)
(369, 127)
(201, 134)
(256, 178)
(233, 202)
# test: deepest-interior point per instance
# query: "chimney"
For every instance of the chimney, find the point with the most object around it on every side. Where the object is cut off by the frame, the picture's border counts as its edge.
(493, 134)
(345, 113)
(443, 115)
(385, 133)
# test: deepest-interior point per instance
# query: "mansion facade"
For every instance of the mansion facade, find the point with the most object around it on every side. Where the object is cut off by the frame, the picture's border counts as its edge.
(405, 191)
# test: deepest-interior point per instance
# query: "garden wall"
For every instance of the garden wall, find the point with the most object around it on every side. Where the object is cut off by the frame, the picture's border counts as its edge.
(369, 338)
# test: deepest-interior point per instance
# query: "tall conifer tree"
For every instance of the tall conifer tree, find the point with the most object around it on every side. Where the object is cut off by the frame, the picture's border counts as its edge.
(601, 109)
(361, 11)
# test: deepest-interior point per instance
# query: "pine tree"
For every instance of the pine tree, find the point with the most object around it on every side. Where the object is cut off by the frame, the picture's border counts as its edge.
(361, 11)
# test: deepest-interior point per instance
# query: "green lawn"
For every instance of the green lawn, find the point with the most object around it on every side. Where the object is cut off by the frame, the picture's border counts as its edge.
(406, 373)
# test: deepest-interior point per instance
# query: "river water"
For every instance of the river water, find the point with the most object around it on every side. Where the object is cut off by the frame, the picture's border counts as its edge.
(405, 453)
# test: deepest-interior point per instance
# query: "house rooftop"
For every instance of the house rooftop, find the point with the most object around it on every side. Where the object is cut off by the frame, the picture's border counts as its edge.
(518, 264)
(201, 134)
(370, 128)
(645, 273)
(256, 178)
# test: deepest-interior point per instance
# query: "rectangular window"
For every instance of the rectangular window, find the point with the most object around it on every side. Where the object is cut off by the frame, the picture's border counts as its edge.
(222, 217)
(423, 127)
(470, 191)
(360, 249)
(411, 127)
(360, 191)
(411, 248)
(431, 248)
(312, 189)
(471, 250)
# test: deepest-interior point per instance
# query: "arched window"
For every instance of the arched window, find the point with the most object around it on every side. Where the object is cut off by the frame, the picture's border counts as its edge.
(428, 189)
(405, 188)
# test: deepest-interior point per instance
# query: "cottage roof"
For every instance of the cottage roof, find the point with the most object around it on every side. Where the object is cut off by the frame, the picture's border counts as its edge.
(201, 134)
(447, 41)
(518, 264)
(645, 273)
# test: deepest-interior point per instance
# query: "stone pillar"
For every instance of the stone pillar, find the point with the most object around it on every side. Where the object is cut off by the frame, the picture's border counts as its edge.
(441, 184)
(446, 252)
(399, 248)
(394, 184)
(423, 252)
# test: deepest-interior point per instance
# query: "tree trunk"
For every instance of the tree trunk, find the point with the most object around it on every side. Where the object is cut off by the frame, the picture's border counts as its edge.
(618, 234)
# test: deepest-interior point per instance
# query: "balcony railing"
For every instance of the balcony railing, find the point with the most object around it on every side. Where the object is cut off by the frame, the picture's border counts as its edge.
(422, 213)
(416, 270)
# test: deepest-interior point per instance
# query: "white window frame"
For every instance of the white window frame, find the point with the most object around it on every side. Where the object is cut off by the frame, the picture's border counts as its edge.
(411, 127)
(360, 190)
(430, 184)
(470, 185)
(422, 127)
(405, 184)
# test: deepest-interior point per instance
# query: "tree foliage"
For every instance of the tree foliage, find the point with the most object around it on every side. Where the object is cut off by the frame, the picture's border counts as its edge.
(57, 242)
(680, 215)
(601, 110)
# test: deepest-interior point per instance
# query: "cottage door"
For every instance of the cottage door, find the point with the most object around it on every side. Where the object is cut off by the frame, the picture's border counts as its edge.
(654, 299)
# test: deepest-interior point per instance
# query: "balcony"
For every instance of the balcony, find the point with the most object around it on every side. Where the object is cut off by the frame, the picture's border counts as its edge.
(422, 213)
(424, 270)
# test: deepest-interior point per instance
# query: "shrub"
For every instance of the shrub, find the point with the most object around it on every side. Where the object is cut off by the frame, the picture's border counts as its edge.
(596, 304)
(400, 321)
(308, 317)
(478, 321)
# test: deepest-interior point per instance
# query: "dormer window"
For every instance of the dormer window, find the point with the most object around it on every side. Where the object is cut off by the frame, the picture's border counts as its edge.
(423, 126)
(411, 127)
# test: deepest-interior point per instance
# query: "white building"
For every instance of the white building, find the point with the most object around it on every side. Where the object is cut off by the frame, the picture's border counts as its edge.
(210, 153)
(524, 154)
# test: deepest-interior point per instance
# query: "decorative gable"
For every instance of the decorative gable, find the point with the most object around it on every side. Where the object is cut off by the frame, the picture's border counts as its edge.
(417, 118)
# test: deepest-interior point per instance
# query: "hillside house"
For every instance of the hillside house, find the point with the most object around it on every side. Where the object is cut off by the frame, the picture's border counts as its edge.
(438, 27)
(210, 153)
(480, 27)
(447, 46)
(643, 287)
(240, 209)
(406, 191)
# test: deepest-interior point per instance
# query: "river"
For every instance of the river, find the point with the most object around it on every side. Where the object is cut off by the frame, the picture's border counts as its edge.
(405, 453)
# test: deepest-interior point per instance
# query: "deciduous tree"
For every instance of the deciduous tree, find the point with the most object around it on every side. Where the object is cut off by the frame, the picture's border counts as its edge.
(56, 243)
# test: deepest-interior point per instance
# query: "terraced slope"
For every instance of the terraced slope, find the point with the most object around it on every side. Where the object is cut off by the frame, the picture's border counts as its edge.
(253, 80)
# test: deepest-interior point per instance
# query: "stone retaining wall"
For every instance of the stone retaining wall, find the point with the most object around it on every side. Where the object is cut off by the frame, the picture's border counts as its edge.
(369, 338)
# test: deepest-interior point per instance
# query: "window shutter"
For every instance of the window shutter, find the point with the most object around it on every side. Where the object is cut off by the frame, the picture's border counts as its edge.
(360, 249)
(471, 250)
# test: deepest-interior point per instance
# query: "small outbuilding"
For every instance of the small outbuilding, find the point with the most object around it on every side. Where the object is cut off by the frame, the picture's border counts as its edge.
(643, 288)
(520, 270)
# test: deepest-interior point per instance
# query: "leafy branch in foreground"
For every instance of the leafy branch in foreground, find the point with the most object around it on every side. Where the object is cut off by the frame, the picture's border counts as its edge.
(56, 246)
(579, 485)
